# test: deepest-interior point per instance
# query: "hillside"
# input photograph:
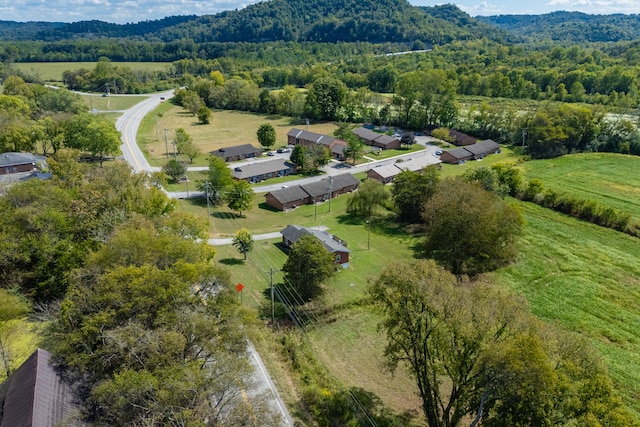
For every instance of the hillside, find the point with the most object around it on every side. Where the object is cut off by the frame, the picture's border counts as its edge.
(373, 21)
(568, 27)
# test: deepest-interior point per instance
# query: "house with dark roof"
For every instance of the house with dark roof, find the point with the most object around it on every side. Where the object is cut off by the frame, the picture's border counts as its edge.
(237, 152)
(333, 244)
(259, 171)
(460, 138)
(302, 137)
(384, 173)
(314, 192)
(288, 198)
(11, 163)
(376, 139)
(476, 151)
(36, 396)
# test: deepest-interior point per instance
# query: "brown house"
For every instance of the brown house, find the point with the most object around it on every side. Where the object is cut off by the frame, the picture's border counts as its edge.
(332, 244)
(461, 139)
(308, 139)
(238, 152)
(19, 162)
(36, 396)
(376, 139)
(319, 191)
(384, 173)
(476, 151)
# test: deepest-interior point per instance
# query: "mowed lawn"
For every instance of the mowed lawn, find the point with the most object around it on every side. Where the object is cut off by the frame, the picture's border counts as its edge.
(611, 179)
(227, 128)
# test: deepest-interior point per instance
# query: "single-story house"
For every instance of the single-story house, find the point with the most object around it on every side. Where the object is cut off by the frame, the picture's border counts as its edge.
(384, 173)
(35, 395)
(376, 139)
(237, 152)
(19, 162)
(461, 138)
(333, 244)
(259, 171)
(306, 138)
(456, 155)
(288, 198)
(319, 191)
(476, 151)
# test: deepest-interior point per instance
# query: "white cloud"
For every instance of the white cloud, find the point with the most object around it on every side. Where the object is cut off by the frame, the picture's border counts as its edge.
(596, 6)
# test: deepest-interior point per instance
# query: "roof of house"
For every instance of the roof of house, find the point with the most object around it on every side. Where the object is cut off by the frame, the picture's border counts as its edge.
(385, 139)
(35, 395)
(236, 150)
(459, 153)
(289, 194)
(483, 147)
(294, 132)
(294, 232)
(365, 133)
(386, 171)
(339, 147)
(461, 138)
(260, 168)
(418, 163)
(13, 159)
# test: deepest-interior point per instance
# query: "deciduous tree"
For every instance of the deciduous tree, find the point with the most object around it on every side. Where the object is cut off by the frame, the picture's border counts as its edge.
(266, 135)
(309, 264)
(243, 242)
(174, 169)
(239, 196)
(371, 193)
(411, 190)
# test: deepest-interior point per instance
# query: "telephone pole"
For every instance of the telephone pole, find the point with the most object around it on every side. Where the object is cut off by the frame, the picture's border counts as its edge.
(273, 295)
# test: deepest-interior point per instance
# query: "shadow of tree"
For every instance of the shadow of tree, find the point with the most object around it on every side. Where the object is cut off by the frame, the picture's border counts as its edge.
(231, 261)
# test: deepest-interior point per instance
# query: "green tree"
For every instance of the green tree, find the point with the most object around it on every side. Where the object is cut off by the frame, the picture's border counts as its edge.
(490, 228)
(371, 193)
(192, 102)
(219, 179)
(266, 135)
(411, 190)
(354, 150)
(239, 196)
(204, 115)
(181, 138)
(243, 242)
(440, 330)
(309, 264)
(298, 156)
(174, 169)
(325, 98)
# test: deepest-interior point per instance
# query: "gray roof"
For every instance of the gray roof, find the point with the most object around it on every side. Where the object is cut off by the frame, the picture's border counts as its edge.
(339, 147)
(236, 150)
(260, 168)
(385, 139)
(14, 159)
(294, 132)
(322, 187)
(387, 171)
(365, 133)
(289, 194)
(294, 232)
(35, 396)
(460, 152)
(483, 147)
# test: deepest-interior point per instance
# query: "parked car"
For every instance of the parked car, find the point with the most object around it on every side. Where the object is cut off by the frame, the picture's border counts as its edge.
(271, 153)
(438, 152)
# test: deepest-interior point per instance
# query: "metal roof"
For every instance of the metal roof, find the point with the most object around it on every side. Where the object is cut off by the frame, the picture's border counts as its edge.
(261, 168)
(13, 159)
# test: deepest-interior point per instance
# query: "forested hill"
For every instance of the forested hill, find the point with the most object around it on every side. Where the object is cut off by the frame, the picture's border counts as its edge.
(570, 27)
(375, 21)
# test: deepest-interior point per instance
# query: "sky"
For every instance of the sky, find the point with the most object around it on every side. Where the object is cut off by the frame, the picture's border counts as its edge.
(124, 11)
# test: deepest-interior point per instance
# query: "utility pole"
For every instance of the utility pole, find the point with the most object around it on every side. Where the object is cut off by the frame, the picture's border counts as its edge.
(206, 185)
(368, 234)
(166, 143)
(524, 135)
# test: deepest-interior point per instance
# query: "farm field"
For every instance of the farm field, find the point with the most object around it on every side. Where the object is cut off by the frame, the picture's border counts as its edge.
(608, 178)
(52, 71)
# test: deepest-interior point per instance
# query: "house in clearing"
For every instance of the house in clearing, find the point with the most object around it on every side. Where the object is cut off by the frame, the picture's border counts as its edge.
(259, 171)
(238, 152)
(319, 191)
(308, 139)
(376, 139)
(476, 151)
(11, 163)
(332, 244)
(35, 395)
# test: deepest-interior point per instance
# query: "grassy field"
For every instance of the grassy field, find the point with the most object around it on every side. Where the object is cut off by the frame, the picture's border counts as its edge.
(52, 71)
(113, 102)
(587, 279)
(611, 179)
(227, 128)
